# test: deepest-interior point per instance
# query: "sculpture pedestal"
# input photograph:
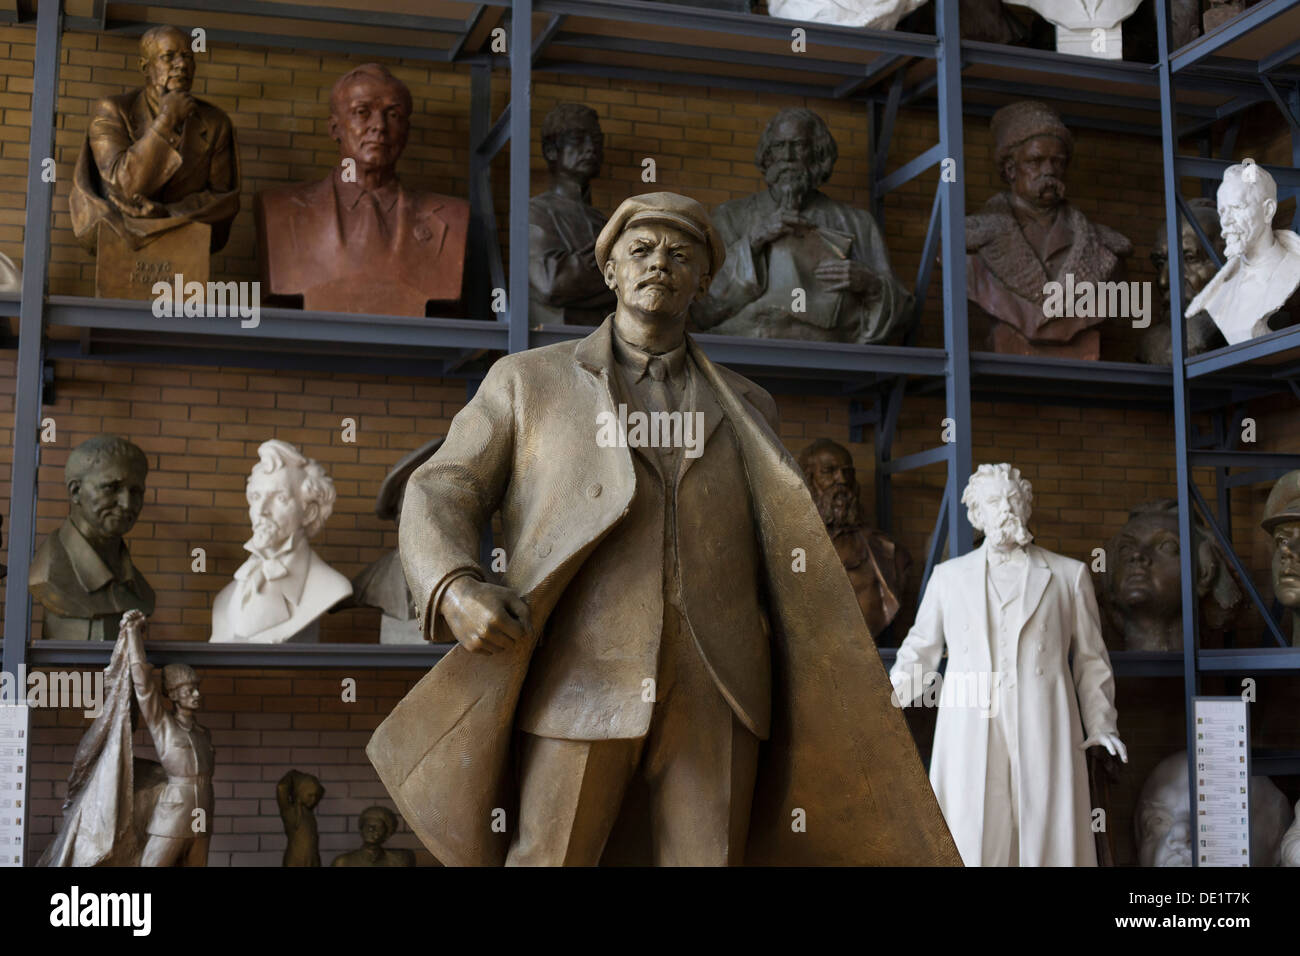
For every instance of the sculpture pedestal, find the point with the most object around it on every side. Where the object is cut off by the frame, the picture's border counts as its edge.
(1085, 42)
(362, 294)
(122, 272)
(1005, 340)
(1217, 16)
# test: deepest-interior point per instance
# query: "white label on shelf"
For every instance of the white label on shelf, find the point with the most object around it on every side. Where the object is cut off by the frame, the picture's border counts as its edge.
(1222, 781)
(14, 744)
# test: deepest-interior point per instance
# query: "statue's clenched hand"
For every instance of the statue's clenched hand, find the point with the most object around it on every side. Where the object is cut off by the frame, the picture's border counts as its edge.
(484, 618)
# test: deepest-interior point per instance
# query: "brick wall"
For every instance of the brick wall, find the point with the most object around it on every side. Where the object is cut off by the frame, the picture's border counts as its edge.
(200, 426)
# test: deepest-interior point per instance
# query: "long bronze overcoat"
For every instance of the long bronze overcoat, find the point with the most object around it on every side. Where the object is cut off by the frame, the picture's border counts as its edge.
(840, 780)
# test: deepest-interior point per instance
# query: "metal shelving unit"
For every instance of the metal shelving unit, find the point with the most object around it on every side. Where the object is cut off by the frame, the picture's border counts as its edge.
(1253, 59)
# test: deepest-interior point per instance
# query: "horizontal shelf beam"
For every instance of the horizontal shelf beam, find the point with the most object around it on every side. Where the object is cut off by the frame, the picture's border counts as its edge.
(287, 325)
(202, 654)
(1230, 32)
(1242, 459)
(1058, 64)
(1237, 356)
(745, 24)
(293, 11)
(1243, 660)
(1072, 370)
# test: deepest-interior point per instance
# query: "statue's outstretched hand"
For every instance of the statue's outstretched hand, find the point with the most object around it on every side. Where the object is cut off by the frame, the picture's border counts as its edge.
(484, 618)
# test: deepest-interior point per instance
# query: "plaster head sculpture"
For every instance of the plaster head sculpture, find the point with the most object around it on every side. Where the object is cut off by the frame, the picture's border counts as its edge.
(565, 284)
(1198, 269)
(1142, 584)
(1029, 240)
(872, 14)
(376, 825)
(358, 240)
(82, 574)
(156, 159)
(1282, 522)
(1162, 821)
(877, 566)
(281, 590)
(799, 264)
(1076, 21)
(998, 503)
(1262, 272)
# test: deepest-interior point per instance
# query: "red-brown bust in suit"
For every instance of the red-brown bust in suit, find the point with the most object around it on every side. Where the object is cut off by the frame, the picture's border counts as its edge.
(357, 240)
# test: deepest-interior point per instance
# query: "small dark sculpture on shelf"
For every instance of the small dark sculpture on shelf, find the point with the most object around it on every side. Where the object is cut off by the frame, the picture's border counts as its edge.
(1141, 589)
(1198, 269)
(877, 565)
(297, 795)
(377, 824)
(565, 283)
(82, 574)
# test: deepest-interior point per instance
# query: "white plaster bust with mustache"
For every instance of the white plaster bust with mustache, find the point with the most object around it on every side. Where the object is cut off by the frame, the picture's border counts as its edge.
(1261, 272)
(284, 587)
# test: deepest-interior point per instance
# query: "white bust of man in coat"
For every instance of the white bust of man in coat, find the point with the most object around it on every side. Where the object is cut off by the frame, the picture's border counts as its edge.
(284, 586)
(1008, 762)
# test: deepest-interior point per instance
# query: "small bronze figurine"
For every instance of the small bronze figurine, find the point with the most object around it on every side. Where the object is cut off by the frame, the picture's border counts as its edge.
(377, 824)
(799, 264)
(565, 285)
(1031, 235)
(82, 574)
(358, 240)
(297, 795)
(124, 811)
(877, 566)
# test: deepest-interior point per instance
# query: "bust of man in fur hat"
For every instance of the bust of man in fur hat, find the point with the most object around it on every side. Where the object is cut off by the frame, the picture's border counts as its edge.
(1030, 236)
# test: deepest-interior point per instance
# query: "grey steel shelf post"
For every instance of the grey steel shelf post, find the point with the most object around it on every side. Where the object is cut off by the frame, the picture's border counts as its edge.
(521, 113)
(27, 393)
(956, 328)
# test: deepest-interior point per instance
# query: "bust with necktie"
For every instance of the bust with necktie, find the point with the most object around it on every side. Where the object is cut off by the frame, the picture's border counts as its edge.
(358, 240)
(1028, 687)
(284, 586)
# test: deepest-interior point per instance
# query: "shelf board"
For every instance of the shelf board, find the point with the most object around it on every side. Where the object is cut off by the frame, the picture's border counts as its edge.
(1271, 356)
(279, 330)
(202, 654)
(1244, 660)
(1242, 36)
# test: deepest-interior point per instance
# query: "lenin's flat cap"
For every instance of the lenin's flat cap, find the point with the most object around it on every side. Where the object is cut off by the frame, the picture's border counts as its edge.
(1018, 122)
(1283, 502)
(681, 212)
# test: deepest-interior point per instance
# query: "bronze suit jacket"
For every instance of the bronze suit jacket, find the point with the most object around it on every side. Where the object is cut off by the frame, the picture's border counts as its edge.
(123, 161)
(302, 233)
(84, 599)
(839, 751)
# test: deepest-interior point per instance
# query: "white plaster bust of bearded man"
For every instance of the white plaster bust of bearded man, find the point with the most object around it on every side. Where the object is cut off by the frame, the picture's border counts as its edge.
(284, 586)
(1262, 271)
